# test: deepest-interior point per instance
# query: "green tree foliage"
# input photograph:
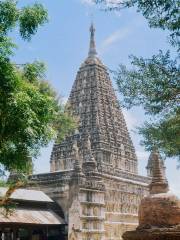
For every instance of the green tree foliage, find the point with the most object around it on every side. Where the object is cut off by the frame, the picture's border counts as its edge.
(28, 18)
(154, 82)
(30, 111)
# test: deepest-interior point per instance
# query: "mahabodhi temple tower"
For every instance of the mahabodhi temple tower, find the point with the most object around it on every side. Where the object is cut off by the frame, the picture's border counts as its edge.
(94, 176)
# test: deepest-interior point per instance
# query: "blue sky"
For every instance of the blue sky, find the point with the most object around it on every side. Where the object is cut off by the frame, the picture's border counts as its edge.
(63, 44)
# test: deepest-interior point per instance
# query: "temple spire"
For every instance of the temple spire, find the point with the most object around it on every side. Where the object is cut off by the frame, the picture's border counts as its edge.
(149, 166)
(92, 47)
(159, 182)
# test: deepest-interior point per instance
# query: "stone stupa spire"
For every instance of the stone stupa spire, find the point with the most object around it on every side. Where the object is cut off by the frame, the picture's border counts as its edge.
(159, 182)
(92, 46)
(149, 166)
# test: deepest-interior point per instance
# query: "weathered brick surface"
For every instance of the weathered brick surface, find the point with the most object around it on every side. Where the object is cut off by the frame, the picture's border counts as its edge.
(154, 234)
(160, 211)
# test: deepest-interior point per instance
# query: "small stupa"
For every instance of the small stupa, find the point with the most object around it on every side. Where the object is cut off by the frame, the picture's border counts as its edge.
(159, 212)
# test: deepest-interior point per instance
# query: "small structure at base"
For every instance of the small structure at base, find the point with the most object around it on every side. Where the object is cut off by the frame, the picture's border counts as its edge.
(33, 216)
(159, 213)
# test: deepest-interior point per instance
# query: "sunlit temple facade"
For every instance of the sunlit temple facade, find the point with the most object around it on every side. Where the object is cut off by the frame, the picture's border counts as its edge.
(94, 172)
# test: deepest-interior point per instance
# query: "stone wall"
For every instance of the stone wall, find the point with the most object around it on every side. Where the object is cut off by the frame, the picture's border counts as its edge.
(99, 206)
(122, 199)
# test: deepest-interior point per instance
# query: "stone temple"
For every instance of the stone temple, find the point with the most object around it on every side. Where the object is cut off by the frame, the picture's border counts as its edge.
(94, 176)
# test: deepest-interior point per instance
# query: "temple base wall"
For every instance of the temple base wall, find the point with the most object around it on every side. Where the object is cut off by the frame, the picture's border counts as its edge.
(100, 207)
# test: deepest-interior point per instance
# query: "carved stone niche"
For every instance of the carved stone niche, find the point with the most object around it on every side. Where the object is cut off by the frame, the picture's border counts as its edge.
(107, 157)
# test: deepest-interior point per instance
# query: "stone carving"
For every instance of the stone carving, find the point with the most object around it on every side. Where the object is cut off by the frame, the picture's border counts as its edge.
(74, 219)
(94, 171)
(93, 101)
(75, 150)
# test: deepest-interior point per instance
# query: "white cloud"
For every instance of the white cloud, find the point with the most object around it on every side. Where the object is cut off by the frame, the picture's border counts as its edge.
(113, 38)
(107, 3)
(112, 3)
(130, 119)
(88, 2)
